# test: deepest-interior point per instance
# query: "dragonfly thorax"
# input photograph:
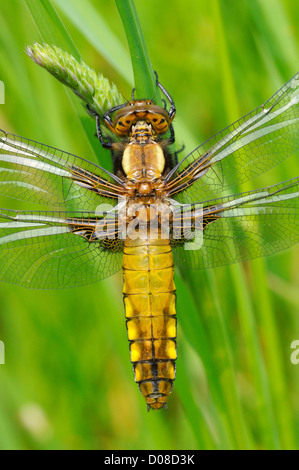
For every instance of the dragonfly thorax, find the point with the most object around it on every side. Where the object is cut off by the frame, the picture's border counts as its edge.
(143, 164)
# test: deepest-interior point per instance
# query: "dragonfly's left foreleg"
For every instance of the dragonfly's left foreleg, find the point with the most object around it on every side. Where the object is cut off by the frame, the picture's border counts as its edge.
(105, 142)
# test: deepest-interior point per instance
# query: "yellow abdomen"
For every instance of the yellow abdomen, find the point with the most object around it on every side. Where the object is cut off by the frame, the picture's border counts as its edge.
(149, 298)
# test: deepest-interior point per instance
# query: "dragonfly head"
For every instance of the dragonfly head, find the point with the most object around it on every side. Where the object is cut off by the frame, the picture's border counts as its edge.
(140, 110)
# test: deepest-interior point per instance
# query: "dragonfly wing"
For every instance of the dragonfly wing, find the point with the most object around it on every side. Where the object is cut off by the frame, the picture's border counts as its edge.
(233, 229)
(33, 172)
(56, 249)
(242, 151)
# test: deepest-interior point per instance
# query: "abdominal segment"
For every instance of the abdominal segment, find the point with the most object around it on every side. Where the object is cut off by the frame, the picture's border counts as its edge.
(149, 298)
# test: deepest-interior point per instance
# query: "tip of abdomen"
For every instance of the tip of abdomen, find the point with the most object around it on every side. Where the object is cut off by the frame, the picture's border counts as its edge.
(156, 393)
(156, 402)
(157, 406)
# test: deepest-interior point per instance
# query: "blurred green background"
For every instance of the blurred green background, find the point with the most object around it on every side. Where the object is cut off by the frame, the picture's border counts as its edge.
(68, 382)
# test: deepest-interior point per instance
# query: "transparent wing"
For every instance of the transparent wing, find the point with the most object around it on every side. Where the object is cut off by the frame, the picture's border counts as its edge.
(33, 172)
(56, 249)
(238, 228)
(242, 151)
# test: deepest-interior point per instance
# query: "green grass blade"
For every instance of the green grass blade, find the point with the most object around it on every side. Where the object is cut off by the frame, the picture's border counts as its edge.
(50, 26)
(144, 77)
(209, 339)
(195, 414)
(271, 18)
(93, 26)
(273, 359)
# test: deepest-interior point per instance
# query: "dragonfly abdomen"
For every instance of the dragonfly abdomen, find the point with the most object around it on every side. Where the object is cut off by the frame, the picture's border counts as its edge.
(149, 298)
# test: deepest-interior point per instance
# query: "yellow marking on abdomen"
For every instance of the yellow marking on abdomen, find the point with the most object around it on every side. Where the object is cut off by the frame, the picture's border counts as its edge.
(149, 298)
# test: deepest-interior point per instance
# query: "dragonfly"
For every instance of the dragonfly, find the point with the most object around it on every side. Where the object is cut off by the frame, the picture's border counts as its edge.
(150, 214)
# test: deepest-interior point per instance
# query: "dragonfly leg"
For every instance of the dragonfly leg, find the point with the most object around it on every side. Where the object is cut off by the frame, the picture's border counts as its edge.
(107, 118)
(175, 155)
(172, 137)
(106, 143)
(172, 110)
